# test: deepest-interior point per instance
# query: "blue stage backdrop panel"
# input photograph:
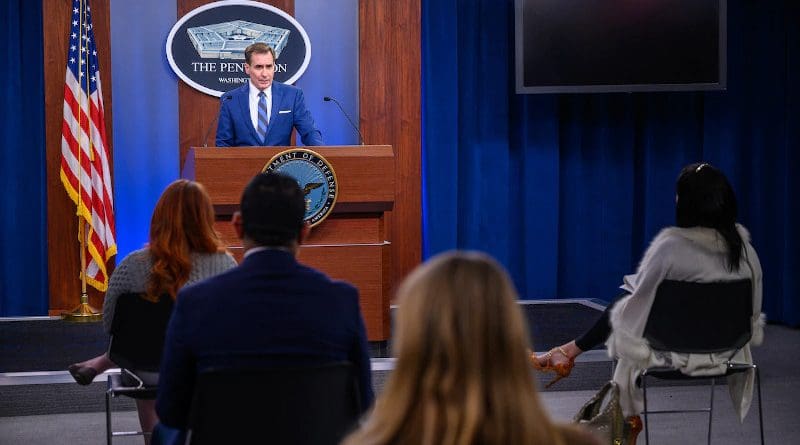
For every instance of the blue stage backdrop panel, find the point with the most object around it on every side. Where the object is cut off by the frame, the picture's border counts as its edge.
(568, 190)
(145, 93)
(333, 71)
(23, 218)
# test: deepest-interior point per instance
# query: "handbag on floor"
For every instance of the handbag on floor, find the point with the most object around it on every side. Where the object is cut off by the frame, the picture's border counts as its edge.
(603, 415)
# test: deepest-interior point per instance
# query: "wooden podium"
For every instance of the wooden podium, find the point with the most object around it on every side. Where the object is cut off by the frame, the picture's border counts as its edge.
(351, 244)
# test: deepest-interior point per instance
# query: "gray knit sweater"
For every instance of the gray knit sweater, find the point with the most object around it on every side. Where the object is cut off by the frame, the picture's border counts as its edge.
(133, 273)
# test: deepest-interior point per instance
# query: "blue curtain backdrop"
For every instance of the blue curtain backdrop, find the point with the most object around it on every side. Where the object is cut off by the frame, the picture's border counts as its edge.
(568, 190)
(23, 242)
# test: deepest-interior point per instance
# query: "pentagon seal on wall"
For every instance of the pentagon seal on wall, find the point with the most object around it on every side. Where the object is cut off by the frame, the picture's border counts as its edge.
(315, 176)
(205, 48)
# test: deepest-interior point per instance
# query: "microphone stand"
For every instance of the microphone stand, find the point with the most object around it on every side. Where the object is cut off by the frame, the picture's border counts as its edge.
(330, 99)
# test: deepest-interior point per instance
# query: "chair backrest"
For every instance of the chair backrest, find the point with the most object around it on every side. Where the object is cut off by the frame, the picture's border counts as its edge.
(316, 405)
(138, 330)
(693, 317)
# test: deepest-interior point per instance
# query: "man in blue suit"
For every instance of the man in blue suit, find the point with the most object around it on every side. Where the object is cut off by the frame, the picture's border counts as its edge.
(263, 112)
(268, 311)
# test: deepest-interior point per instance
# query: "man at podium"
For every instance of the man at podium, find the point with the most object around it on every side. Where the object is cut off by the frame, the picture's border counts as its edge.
(263, 112)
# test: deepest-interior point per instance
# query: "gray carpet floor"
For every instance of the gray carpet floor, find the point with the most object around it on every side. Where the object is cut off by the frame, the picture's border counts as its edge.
(780, 383)
(781, 406)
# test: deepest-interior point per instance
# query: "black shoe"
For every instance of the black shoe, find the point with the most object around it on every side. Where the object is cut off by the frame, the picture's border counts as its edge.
(82, 374)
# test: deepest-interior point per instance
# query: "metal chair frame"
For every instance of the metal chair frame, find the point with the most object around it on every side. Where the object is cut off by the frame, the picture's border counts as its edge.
(732, 368)
(137, 341)
(676, 298)
(117, 388)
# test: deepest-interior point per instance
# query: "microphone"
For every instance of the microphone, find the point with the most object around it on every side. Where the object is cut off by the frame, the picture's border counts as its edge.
(208, 130)
(330, 99)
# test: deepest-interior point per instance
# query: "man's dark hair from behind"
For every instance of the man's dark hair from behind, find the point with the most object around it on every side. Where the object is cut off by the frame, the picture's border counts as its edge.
(272, 207)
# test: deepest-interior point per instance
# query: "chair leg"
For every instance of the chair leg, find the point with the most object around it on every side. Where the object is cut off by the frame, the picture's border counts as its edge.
(646, 422)
(760, 414)
(108, 418)
(711, 408)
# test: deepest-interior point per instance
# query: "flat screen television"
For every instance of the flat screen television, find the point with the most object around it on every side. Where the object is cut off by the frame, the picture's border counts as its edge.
(587, 46)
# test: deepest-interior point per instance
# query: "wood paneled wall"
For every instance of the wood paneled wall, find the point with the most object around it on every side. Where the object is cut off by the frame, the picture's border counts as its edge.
(390, 98)
(63, 251)
(390, 113)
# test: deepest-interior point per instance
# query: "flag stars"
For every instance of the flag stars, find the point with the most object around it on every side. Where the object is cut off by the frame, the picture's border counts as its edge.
(75, 10)
(74, 23)
(72, 48)
(74, 35)
(71, 60)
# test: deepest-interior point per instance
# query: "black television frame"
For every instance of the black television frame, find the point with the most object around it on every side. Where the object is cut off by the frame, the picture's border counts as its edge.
(619, 88)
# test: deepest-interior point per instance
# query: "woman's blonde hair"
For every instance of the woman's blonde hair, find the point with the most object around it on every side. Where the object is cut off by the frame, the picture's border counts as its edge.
(462, 374)
(182, 224)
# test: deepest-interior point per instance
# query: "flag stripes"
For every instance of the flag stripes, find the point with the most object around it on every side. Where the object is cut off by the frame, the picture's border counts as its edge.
(85, 170)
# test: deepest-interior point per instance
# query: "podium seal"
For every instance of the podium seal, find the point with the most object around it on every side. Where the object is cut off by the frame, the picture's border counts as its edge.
(315, 176)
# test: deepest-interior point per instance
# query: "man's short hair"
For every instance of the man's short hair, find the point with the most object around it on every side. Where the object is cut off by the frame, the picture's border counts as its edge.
(273, 208)
(258, 48)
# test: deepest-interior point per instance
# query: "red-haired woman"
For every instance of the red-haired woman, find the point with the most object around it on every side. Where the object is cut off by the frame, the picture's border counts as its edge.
(183, 249)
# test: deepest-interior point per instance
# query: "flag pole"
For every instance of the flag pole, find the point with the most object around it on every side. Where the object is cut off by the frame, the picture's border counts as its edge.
(84, 313)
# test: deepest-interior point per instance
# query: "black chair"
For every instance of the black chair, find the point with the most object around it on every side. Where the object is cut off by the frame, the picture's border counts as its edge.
(700, 318)
(137, 341)
(314, 405)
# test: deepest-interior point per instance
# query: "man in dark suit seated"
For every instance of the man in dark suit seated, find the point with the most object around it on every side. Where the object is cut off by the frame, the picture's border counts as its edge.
(268, 311)
(263, 112)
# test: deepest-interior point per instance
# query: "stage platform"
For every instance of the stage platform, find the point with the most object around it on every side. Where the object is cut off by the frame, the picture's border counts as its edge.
(35, 352)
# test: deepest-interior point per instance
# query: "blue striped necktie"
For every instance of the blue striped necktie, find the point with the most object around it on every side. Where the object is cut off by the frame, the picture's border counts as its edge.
(262, 116)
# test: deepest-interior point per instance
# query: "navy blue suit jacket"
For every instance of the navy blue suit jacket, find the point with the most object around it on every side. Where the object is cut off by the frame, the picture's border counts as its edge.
(235, 128)
(270, 310)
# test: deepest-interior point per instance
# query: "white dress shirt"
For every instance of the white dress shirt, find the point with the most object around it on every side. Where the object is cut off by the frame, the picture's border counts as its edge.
(254, 104)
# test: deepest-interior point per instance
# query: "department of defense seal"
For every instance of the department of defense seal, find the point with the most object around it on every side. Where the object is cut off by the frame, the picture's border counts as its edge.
(315, 176)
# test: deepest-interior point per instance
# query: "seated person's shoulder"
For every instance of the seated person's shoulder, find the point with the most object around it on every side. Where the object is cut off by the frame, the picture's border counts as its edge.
(319, 278)
(223, 259)
(345, 287)
(135, 265)
(140, 255)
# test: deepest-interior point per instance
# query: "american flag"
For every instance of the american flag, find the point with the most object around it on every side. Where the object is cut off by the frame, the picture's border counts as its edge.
(84, 149)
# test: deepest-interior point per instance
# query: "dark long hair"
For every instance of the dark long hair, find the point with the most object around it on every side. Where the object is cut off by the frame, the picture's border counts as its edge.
(706, 199)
